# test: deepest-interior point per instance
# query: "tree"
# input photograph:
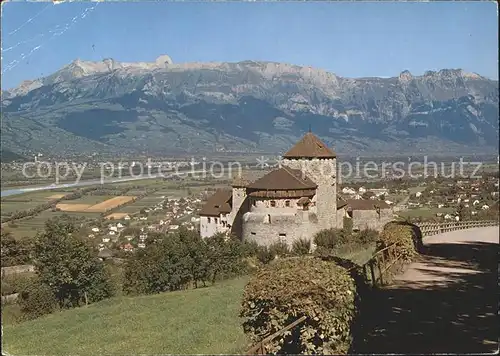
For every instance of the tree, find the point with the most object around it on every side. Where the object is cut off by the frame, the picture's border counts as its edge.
(14, 252)
(69, 265)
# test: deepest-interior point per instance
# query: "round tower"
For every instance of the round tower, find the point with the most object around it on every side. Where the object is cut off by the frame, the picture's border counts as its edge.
(239, 204)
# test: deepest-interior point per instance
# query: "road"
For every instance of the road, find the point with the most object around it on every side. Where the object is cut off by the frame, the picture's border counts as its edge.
(444, 302)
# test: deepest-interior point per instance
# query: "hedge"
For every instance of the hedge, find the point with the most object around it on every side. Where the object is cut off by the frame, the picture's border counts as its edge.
(290, 288)
(406, 236)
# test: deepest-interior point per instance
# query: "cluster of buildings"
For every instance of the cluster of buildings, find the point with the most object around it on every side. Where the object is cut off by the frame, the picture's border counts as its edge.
(292, 202)
(131, 231)
(472, 197)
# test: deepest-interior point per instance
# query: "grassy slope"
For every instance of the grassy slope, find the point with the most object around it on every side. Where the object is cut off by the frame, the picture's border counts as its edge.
(194, 321)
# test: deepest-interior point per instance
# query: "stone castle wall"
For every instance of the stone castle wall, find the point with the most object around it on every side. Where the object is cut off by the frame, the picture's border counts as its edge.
(267, 229)
(240, 203)
(323, 173)
(370, 219)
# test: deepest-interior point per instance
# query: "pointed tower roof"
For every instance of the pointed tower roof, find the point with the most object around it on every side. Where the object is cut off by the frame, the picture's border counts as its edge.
(310, 146)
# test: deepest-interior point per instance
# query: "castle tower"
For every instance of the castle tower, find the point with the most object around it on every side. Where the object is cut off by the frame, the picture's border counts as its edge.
(238, 205)
(319, 163)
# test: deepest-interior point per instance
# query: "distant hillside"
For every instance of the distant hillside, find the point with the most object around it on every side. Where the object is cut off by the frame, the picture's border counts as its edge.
(162, 107)
(9, 156)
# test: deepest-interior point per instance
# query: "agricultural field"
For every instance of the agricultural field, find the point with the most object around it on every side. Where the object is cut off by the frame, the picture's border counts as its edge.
(143, 203)
(109, 204)
(29, 227)
(116, 216)
(93, 203)
(91, 206)
(26, 201)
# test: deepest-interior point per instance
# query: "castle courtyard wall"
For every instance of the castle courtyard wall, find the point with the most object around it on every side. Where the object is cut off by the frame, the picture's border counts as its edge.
(266, 230)
(370, 219)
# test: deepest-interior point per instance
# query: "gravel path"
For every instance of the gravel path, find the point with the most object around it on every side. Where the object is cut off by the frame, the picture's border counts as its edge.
(438, 269)
(445, 302)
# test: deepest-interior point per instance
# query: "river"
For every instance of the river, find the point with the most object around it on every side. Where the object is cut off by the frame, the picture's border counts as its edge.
(10, 192)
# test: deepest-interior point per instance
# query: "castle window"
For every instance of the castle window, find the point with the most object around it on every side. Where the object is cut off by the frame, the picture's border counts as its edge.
(282, 235)
(287, 203)
(253, 233)
(273, 203)
(254, 202)
(267, 219)
(209, 220)
(216, 221)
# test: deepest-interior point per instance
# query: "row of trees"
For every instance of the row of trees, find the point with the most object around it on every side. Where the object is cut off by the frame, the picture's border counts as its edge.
(52, 204)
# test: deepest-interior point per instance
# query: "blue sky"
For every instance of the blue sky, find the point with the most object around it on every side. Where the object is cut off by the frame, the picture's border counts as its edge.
(352, 39)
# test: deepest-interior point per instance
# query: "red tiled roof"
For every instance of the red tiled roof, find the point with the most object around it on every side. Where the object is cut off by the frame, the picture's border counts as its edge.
(283, 179)
(219, 203)
(310, 146)
(366, 204)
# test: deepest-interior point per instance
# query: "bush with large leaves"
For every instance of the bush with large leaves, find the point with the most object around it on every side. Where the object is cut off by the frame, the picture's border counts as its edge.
(290, 288)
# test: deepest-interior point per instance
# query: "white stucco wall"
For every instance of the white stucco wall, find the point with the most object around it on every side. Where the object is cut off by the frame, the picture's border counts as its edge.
(211, 225)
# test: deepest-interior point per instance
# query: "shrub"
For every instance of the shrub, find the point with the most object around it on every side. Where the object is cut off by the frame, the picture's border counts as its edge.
(290, 288)
(367, 236)
(348, 225)
(264, 255)
(301, 247)
(15, 282)
(250, 248)
(36, 299)
(331, 238)
(280, 249)
(404, 235)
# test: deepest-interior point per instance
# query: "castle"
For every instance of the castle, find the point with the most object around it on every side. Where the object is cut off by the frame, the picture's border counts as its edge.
(290, 203)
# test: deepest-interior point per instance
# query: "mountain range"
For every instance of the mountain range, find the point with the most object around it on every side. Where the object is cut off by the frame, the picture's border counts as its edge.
(165, 108)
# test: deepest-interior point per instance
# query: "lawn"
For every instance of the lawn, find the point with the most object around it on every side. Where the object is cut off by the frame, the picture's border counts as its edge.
(358, 255)
(197, 321)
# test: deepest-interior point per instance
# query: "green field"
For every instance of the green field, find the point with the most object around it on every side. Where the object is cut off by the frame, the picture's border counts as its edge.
(197, 321)
(89, 199)
(25, 201)
(30, 227)
(136, 206)
(425, 212)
